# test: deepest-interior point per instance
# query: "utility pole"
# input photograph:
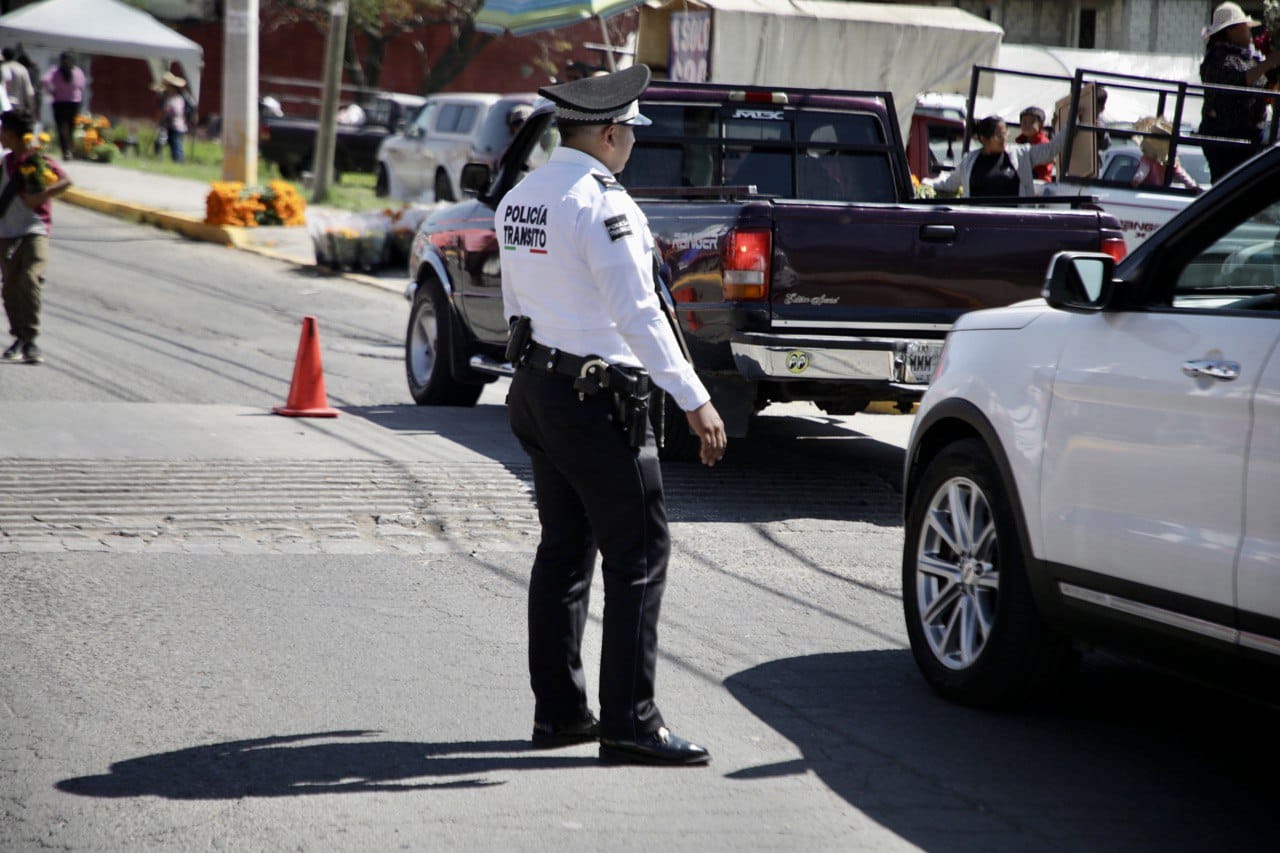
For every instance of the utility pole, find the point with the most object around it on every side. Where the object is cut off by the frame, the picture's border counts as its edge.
(327, 132)
(240, 91)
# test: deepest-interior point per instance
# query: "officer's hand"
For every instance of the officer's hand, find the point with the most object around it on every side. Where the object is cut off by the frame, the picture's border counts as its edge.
(706, 424)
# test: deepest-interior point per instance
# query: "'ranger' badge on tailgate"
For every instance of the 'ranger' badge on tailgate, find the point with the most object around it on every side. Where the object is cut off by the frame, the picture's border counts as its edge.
(797, 361)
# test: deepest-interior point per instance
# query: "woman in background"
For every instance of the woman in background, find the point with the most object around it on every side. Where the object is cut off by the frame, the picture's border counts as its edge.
(65, 85)
(1229, 60)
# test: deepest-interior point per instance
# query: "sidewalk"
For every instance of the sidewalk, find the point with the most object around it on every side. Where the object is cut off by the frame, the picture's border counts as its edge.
(178, 204)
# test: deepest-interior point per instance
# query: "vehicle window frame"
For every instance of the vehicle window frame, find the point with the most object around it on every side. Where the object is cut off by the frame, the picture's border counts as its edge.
(423, 120)
(1165, 273)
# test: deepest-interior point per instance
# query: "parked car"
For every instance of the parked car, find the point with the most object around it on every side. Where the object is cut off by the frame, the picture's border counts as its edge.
(290, 142)
(1104, 465)
(447, 134)
(1120, 163)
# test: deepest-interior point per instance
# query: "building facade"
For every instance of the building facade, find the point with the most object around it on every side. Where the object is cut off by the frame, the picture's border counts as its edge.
(1145, 26)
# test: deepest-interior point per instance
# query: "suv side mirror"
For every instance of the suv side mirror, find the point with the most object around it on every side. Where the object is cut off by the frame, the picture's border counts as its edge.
(475, 178)
(1080, 281)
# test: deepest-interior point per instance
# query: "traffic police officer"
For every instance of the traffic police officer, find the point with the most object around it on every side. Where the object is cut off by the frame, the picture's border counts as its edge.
(577, 262)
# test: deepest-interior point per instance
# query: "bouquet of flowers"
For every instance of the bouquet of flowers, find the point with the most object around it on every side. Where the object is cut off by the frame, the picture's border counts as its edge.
(1264, 41)
(35, 169)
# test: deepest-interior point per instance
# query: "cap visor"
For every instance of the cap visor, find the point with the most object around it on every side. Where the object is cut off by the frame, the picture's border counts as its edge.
(637, 120)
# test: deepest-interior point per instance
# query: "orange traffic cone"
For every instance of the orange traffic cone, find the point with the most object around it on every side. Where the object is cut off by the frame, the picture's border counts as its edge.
(307, 398)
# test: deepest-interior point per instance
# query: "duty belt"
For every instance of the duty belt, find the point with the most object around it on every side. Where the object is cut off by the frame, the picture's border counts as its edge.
(552, 360)
(629, 386)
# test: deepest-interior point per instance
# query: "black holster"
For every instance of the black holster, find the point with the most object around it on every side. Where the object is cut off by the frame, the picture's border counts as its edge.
(631, 387)
(519, 339)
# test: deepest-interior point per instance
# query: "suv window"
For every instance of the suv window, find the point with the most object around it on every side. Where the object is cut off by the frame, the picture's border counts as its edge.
(789, 153)
(1238, 271)
(457, 118)
(423, 120)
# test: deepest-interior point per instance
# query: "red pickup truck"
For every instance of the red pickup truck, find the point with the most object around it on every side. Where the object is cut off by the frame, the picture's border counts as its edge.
(799, 263)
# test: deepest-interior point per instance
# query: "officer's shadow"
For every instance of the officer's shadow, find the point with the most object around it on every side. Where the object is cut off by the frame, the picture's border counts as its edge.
(292, 765)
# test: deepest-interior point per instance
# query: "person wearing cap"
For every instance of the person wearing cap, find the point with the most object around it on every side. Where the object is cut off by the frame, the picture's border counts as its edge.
(65, 84)
(25, 220)
(1229, 60)
(173, 114)
(1031, 132)
(516, 117)
(576, 256)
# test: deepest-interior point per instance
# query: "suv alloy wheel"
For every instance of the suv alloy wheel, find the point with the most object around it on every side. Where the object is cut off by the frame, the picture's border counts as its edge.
(974, 629)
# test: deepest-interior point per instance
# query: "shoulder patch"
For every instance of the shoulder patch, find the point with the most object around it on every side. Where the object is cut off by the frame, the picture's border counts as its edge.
(618, 226)
(607, 182)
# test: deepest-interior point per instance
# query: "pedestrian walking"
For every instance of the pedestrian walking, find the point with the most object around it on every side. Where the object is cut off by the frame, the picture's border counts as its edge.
(29, 180)
(17, 82)
(65, 85)
(589, 337)
(174, 106)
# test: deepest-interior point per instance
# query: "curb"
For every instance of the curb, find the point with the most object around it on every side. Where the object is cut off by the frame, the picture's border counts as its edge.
(232, 236)
(187, 226)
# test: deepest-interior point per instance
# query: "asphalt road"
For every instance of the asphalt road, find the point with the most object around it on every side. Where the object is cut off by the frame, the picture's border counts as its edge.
(226, 629)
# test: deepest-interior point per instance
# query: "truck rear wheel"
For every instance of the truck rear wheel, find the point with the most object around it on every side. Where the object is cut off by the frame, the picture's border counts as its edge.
(429, 353)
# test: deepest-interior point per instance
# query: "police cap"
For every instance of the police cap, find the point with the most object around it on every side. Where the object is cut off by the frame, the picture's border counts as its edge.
(607, 99)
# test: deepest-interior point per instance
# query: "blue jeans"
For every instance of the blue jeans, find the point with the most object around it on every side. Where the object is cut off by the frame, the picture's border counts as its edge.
(175, 146)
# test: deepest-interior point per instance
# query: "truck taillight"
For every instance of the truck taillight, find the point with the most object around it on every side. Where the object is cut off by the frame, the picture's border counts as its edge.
(758, 97)
(1115, 247)
(264, 132)
(746, 264)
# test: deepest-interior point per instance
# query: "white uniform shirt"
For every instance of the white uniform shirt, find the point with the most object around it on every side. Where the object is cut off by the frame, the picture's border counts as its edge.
(577, 260)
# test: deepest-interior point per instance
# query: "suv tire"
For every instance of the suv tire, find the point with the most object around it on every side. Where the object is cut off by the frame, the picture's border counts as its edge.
(974, 629)
(429, 352)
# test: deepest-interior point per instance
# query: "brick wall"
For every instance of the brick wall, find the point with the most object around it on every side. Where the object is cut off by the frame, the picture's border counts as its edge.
(121, 87)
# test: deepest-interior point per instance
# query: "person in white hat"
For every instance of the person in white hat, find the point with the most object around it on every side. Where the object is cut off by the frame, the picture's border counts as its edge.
(1229, 60)
(173, 108)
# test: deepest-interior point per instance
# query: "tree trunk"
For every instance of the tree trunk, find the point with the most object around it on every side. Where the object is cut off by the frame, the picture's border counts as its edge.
(451, 63)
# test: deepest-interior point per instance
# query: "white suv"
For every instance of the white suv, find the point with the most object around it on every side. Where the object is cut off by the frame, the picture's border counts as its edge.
(1106, 467)
(428, 156)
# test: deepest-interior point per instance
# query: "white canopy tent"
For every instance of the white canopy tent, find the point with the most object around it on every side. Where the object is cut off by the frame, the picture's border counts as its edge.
(103, 27)
(820, 44)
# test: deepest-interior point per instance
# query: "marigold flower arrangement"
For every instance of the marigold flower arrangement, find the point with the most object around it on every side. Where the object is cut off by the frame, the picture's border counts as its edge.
(232, 203)
(35, 170)
(90, 140)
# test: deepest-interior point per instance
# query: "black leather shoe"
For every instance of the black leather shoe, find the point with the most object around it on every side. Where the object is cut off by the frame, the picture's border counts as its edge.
(660, 747)
(552, 735)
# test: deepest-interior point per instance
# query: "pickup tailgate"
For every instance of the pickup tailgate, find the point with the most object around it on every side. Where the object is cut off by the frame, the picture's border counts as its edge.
(910, 271)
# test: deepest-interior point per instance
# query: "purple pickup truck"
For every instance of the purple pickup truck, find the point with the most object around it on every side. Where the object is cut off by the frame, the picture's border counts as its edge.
(797, 259)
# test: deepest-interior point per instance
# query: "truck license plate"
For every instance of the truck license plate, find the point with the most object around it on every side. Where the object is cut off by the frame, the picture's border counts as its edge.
(920, 361)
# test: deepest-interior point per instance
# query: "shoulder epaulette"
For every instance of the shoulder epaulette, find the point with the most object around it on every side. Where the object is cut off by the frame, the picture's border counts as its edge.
(607, 182)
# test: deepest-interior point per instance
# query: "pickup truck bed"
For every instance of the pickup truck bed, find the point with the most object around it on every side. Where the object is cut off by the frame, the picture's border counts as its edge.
(290, 143)
(798, 262)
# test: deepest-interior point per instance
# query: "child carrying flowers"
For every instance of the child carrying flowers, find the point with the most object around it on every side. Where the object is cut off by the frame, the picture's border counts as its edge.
(29, 180)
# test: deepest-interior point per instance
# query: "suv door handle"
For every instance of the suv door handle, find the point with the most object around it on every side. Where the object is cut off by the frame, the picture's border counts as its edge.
(1212, 368)
(938, 233)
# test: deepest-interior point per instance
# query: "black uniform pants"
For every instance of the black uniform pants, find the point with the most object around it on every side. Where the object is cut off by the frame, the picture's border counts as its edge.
(593, 491)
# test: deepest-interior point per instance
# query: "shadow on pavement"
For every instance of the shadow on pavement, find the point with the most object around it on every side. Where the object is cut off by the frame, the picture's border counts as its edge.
(1126, 758)
(790, 468)
(285, 766)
